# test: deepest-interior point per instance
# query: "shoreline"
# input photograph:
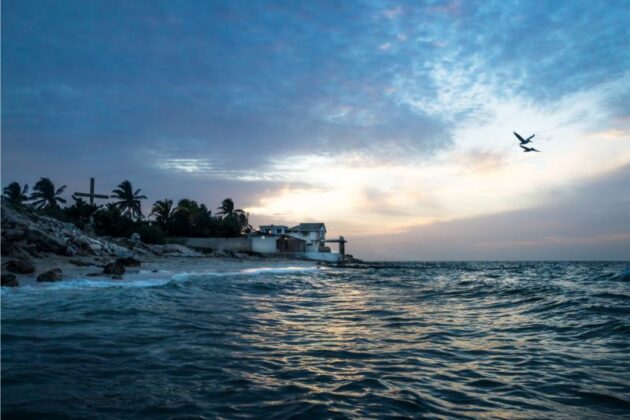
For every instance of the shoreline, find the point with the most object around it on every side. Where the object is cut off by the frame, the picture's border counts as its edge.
(151, 268)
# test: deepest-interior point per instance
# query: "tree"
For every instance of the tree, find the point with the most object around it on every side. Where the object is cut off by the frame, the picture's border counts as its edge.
(163, 211)
(15, 194)
(109, 221)
(235, 221)
(243, 220)
(129, 201)
(45, 196)
(80, 211)
(227, 207)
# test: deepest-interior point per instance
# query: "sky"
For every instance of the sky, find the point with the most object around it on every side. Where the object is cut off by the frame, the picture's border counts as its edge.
(389, 121)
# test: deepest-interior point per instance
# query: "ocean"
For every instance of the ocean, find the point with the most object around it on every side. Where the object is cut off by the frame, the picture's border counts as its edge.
(393, 340)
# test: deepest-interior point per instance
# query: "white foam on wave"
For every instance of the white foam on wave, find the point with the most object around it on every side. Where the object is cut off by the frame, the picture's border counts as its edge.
(245, 272)
(106, 283)
(75, 284)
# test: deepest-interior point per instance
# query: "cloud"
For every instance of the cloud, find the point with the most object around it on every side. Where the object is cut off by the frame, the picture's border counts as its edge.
(336, 105)
(588, 221)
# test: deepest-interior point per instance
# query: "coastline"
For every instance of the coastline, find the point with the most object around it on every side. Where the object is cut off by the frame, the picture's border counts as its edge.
(155, 268)
(37, 246)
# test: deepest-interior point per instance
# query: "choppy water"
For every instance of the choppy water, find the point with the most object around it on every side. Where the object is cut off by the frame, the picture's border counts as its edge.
(501, 340)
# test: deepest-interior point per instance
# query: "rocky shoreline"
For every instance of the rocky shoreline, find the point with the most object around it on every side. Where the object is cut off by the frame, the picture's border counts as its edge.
(46, 249)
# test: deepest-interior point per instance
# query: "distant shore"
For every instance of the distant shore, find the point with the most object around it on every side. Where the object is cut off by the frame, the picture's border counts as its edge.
(39, 249)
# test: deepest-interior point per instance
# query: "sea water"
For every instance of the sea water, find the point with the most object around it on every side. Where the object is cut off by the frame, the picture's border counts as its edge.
(504, 340)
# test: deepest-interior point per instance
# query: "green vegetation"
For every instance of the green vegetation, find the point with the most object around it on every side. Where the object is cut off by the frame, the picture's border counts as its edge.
(45, 196)
(124, 217)
(129, 201)
(16, 194)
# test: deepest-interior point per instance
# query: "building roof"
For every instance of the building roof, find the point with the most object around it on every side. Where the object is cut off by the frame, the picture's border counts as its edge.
(309, 227)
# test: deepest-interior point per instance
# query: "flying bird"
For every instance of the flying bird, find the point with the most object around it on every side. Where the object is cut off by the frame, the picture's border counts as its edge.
(528, 149)
(522, 140)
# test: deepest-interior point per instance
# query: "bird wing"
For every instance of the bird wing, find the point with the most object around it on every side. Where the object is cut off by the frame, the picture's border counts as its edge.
(519, 137)
(523, 147)
(530, 137)
(535, 150)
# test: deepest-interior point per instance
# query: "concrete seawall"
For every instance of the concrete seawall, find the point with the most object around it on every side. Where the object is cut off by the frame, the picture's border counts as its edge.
(245, 245)
(225, 244)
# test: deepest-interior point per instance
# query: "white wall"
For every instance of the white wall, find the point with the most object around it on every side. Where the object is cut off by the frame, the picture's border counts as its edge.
(332, 257)
(263, 244)
(225, 244)
(312, 239)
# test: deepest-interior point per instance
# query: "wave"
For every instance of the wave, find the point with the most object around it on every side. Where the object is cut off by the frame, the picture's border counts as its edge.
(433, 339)
(247, 272)
(106, 283)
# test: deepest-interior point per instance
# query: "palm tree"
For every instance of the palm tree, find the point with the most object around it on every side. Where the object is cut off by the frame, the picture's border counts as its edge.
(227, 208)
(45, 195)
(129, 203)
(243, 220)
(188, 209)
(229, 212)
(163, 212)
(188, 205)
(15, 194)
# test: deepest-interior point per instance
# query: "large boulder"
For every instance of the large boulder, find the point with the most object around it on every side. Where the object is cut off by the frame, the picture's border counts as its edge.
(46, 242)
(51, 275)
(115, 268)
(22, 266)
(10, 280)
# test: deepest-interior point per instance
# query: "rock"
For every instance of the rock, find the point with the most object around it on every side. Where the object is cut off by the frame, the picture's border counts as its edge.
(114, 268)
(22, 266)
(81, 242)
(20, 254)
(32, 250)
(51, 275)
(117, 277)
(95, 247)
(119, 251)
(128, 262)
(10, 280)
(71, 250)
(14, 234)
(179, 250)
(46, 242)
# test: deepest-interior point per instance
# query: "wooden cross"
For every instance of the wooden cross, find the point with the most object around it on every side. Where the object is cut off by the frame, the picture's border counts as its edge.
(92, 195)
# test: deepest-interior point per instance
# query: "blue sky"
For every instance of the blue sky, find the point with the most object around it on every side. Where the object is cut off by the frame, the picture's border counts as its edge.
(375, 117)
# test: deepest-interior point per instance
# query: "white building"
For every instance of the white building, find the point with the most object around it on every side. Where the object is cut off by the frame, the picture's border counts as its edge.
(313, 233)
(273, 229)
(307, 240)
